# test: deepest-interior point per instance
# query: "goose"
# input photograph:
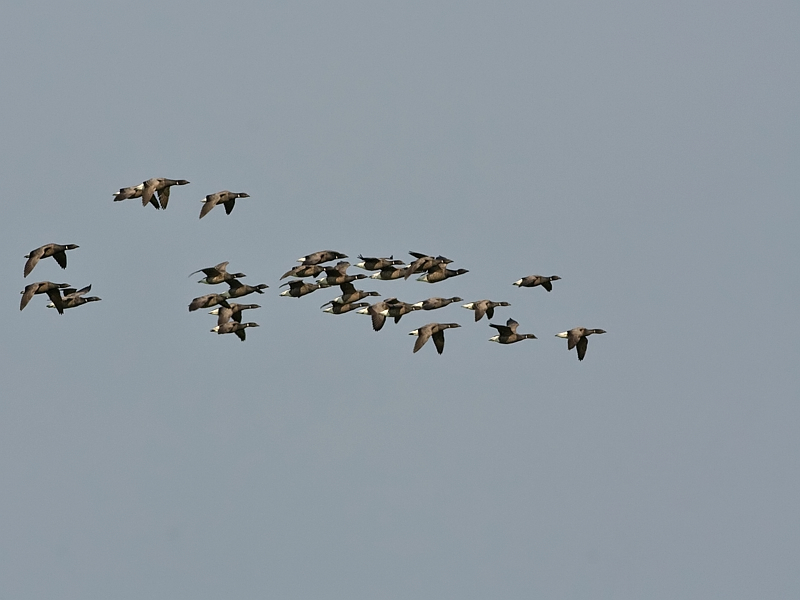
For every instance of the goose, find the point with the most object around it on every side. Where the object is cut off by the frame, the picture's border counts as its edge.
(484, 307)
(434, 303)
(298, 288)
(57, 251)
(432, 330)
(237, 289)
(231, 312)
(440, 273)
(376, 264)
(349, 294)
(304, 271)
(424, 262)
(234, 327)
(226, 198)
(134, 191)
(72, 298)
(160, 185)
(217, 274)
(337, 275)
(320, 257)
(507, 334)
(208, 301)
(578, 337)
(389, 273)
(534, 280)
(375, 311)
(338, 309)
(398, 309)
(53, 291)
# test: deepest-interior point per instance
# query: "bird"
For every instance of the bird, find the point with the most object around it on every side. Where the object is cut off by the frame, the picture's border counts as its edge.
(376, 264)
(237, 289)
(208, 301)
(217, 274)
(432, 330)
(398, 309)
(57, 251)
(534, 280)
(337, 275)
(507, 334)
(234, 327)
(134, 191)
(226, 198)
(578, 336)
(72, 298)
(304, 271)
(349, 294)
(298, 288)
(231, 312)
(434, 303)
(484, 307)
(389, 273)
(424, 262)
(376, 312)
(338, 309)
(53, 291)
(320, 257)
(439, 273)
(161, 186)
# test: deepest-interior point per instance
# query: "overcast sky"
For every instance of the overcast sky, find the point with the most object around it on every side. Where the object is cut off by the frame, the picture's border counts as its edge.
(645, 152)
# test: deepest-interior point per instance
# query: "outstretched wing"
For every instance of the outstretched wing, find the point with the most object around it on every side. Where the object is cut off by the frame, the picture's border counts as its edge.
(582, 344)
(438, 340)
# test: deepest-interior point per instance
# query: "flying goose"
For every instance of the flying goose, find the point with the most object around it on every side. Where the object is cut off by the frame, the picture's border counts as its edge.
(57, 251)
(424, 262)
(298, 288)
(304, 271)
(398, 309)
(534, 280)
(231, 312)
(337, 275)
(376, 264)
(432, 330)
(434, 303)
(73, 298)
(234, 327)
(208, 301)
(160, 185)
(484, 307)
(349, 294)
(376, 312)
(226, 198)
(338, 309)
(507, 334)
(579, 336)
(320, 257)
(217, 274)
(389, 273)
(53, 291)
(237, 289)
(439, 273)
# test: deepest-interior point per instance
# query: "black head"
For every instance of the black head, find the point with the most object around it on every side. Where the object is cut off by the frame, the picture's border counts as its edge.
(554, 277)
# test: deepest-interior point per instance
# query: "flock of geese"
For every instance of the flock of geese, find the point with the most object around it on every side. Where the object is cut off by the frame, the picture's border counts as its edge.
(431, 269)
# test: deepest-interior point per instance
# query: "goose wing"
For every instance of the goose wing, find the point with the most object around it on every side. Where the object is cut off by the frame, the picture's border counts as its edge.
(33, 260)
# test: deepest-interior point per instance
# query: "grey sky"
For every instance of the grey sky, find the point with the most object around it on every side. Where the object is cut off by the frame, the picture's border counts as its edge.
(646, 153)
